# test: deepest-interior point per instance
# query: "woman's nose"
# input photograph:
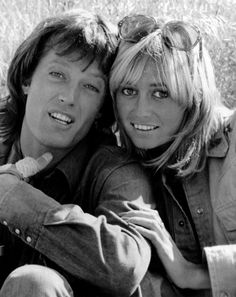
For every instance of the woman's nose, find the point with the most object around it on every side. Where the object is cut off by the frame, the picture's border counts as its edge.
(142, 106)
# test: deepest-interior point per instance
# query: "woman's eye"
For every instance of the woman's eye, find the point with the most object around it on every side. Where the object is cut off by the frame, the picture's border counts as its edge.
(160, 94)
(128, 91)
(91, 87)
(57, 74)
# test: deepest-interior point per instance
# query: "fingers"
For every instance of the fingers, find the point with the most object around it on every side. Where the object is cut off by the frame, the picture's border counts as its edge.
(151, 224)
(30, 166)
(44, 160)
(144, 213)
(140, 212)
(155, 233)
(145, 232)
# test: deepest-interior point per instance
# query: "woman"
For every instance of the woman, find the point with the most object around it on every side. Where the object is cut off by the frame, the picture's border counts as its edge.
(170, 115)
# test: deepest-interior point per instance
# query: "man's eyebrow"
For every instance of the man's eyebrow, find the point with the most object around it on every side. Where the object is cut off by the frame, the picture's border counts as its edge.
(101, 76)
(60, 62)
(63, 62)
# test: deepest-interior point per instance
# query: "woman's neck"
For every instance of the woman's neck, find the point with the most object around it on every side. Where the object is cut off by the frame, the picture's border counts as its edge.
(155, 152)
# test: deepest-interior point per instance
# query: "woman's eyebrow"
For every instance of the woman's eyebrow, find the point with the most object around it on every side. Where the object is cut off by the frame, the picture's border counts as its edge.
(159, 85)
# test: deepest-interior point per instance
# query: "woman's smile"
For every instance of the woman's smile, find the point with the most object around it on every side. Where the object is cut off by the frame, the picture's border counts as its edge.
(148, 114)
(144, 128)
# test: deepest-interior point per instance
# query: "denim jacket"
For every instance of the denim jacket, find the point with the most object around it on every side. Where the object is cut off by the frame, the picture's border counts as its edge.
(210, 237)
(98, 253)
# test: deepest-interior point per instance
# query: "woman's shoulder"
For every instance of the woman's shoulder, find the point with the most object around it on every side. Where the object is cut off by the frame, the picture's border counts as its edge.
(231, 120)
(112, 166)
(112, 155)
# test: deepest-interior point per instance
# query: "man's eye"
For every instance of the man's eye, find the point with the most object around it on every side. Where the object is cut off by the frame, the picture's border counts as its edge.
(128, 91)
(57, 74)
(160, 94)
(91, 87)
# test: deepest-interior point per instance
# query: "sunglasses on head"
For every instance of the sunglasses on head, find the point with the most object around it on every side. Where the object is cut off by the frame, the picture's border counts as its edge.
(175, 34)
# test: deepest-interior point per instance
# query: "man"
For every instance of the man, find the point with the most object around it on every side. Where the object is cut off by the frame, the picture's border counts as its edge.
(59, 104)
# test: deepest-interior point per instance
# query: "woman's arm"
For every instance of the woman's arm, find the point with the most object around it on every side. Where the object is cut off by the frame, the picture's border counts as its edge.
(182, 272)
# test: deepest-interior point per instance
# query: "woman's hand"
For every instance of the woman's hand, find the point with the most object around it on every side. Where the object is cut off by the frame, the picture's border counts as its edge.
(182, 272)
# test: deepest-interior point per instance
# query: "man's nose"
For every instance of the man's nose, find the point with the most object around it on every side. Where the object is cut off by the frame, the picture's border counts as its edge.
(68, 97)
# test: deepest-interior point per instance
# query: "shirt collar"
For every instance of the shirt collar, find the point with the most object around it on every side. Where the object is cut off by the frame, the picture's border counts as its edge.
(15, 153)
(73, 164)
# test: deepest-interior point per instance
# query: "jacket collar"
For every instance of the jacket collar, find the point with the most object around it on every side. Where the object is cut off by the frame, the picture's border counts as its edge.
(219, 144)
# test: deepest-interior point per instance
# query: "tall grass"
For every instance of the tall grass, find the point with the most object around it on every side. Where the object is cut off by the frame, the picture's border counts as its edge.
(216, 18)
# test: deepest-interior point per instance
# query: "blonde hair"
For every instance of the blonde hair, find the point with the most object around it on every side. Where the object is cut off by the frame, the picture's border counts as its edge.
(189, 78)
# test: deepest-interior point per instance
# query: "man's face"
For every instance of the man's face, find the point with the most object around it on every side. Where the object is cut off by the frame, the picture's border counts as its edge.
(63, 100)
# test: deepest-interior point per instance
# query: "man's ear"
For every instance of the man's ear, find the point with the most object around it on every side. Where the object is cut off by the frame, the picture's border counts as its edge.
(25, 88)
(26, 85)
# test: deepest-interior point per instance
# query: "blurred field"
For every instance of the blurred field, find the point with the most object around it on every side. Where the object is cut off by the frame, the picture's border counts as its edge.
(216, 18)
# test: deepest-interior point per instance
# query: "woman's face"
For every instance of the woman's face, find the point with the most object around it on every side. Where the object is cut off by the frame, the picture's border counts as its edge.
(147, 113)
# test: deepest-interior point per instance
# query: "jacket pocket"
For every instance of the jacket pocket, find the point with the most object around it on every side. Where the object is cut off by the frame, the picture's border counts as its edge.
(227, 217)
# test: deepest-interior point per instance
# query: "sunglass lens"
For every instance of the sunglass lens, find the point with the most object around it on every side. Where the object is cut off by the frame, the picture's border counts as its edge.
(134, 28)
(180, 35)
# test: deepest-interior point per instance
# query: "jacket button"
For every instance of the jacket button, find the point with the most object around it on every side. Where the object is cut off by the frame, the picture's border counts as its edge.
(28, 239)
(181, 223)
(200, 211)
(17, 231)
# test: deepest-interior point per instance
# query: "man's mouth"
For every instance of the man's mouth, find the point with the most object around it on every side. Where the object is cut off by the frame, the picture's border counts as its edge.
(144, 127)
(61, 118)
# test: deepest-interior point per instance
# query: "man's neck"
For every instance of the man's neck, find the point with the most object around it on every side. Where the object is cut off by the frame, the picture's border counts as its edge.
(35, 150)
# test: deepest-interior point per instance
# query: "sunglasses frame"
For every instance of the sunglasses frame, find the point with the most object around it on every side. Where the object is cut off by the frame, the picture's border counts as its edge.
(153, 22)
